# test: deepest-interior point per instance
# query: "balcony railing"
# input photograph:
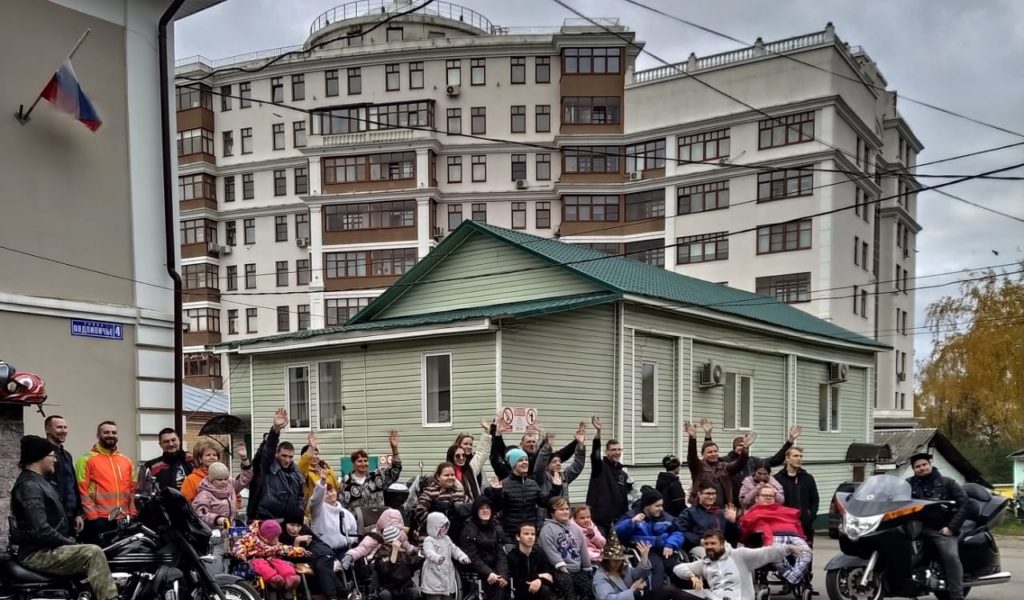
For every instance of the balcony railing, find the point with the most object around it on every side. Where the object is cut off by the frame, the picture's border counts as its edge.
(238, 58)
(362, 8)
(384, 136)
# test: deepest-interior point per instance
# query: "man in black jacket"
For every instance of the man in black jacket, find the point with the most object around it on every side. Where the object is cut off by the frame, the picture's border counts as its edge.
(40, 527)
(942, 530)
(800, 489)
(610, 484)
(64, 475)
(281, 480)
(172, 467)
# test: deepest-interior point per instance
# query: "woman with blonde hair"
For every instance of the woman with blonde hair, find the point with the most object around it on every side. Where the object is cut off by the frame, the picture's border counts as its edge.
(205, 453)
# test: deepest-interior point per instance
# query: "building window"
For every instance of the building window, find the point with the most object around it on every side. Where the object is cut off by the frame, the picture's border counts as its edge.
(225, 98)
(479, 212)
(903, 322)
(298, 87)
(478, 120)
(395, 34)
(281, 228)
(454, 169)
(299, 134)
(791, 129)
(201, 276)
(203, 320)
(856, 251)
(197, 187)
(590, 110)
(232, 278)
(233, 321)
(303, 324)
(864, 255)
(591, 60)
(355, 81)
(245, 91)
(518, 166)
(702, 248)
(477, 71)
(651, 252)
(302, 271)
(590, 159)
(543, 118)
(437, 389)
(518, 215)
(828, 407)
(302, 226)
(415, 76)
(784, 237)
(642, 206)
(202, 365)
(791, 288)
(248, 187)
(454, 216)
(371, 263)
(194, 96)
(229, 233)
(542, 69)
(284, 319)
(229, 188)
(784, 183)
(739, 405)
(648, 393)
(454, 121)
(249, 229)
(195, 141)
(228, 143)
(301, 176)
(246, 140)
(331, 82)
(518, 119)
(375, 167)
(899, 276)
(298, 397)
(370, 215)
(250, 320)
(329, 385)
(340, 310)
(648, 155)
(543, 167)
(280, 182)
(590, 208)
(198, 231)
(703, 197)
(518, 72)
(453, 72)
(704, 146)
(392, 78)
(479, 165)
(542, 215)
(864, 303)
(276, 89)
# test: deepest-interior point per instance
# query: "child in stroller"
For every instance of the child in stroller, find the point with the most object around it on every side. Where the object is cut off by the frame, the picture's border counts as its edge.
(770, 523)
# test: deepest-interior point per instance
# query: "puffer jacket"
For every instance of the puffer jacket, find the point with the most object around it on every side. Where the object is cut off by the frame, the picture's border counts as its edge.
(438, 575)
(731, 576)
(938, 487)
(369, 544)
(564, 546)
(613, 587)
(437, 498)
(660, 533)
(748, 491)
(569, 474)
(252, 545)
(595, 541)
(770, 520)
(212, 503)
(519, 499)
(671, 489)
(483, 543)
(106, 480)
(696, 520)
(719, 473)
(38, 516)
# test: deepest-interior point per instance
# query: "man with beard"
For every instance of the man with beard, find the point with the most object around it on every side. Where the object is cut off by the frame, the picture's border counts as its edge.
(106, 481)
(40, 528)
(729, 571)
(63, 476)
(172, 467)
(942, 529)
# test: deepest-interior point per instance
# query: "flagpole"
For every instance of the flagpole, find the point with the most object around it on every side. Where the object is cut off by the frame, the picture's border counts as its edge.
(22, 115)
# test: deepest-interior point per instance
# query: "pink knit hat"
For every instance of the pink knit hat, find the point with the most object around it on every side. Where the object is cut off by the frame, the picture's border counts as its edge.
(270, 529)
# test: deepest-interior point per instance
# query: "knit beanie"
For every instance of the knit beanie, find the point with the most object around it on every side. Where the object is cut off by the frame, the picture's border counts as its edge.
(217, 472)
(649, 497)
(34, 449)
(515, 455)
(390, 534)
(270, 529)
(294, 515)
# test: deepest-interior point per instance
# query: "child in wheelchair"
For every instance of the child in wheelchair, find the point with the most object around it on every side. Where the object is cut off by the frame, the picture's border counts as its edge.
(770, 523)
(262, 550)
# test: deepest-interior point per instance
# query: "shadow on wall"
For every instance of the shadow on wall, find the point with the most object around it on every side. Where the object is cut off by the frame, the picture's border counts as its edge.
(12, 427)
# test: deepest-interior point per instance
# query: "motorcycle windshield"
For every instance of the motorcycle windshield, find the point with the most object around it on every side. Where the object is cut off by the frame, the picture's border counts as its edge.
(879, 494)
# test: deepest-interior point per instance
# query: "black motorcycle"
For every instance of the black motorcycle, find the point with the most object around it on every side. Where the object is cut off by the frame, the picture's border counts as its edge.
(884, 553)
(156, 555)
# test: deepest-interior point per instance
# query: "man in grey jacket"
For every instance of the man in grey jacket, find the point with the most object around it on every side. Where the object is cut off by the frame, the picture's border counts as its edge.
(729, 571)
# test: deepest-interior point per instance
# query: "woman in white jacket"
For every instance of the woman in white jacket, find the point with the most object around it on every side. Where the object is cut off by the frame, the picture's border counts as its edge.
(331, 522)
(439, 577)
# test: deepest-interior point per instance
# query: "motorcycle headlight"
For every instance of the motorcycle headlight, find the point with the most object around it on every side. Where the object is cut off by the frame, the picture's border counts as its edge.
(854, 527)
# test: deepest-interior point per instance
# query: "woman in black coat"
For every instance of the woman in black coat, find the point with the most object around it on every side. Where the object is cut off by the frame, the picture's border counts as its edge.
(483, 540)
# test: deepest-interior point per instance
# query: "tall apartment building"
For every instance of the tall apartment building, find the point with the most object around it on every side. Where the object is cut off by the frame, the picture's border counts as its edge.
(295, 219)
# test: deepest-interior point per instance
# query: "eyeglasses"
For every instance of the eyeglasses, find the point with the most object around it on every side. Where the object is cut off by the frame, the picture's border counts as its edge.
(709, 493)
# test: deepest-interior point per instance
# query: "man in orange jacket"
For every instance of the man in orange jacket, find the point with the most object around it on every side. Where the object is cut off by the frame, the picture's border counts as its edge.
(106, 482)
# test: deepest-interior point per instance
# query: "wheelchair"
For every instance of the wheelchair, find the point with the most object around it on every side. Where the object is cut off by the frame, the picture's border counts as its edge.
(240, 568)
(769, 583)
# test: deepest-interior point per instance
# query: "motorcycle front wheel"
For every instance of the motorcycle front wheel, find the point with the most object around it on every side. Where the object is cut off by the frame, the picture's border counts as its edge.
(844, 584)
(232, 591)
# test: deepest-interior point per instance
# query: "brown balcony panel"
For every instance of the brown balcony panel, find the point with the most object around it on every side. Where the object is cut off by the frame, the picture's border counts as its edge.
(608, 228)
(190, 159)
(654, 173)
(590, 128)
(195, 118)
(592, 85)
(201, 295)
(200, 338)
(593, 178)
(197, 250)
(362, 236)
(354, 283)
(197, 203)
(370, 186)
(205, 382)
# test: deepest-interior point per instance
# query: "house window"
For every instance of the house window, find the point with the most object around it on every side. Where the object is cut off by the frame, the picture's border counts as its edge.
(518, 166)
(375, 167)
(198, 231)
(232, 321)
(790, 288)
(518, 215)
(245, 91)
(194, 187)
(704, 146)
(479, 212)
(340, 310)
(247, 140)
(590, 159)
(739, 406)
(590, 110)
(785, 183)
(372, 263)
(276, 89)
(194, 96)
(302, 271)
(280, 182)
(703, 197)
(281, 228)
(281, 272)
(478, 120)
(298, 396)
(370, 215)
(454, 169)
(229, 233)
(591, 60)
(299, 134)
(856, 299)
(228, 143)
(395, 34)
(437, 389)
(590, 208)
(479, 165)
(232, 278)
(392, 77)
(303, 324)
(225, 98)
(415, 76)
(856, 251)
(355, 81)
(642, 206)
(477, 71)
(542, 215)
(250, 320)
(250, 276)
(784, 237)
(518, 73)
(298, 87)
(302, 225)
(648, 393)
(454, 216)
(542, 69)
(828, 407)
(864, 303)
(791, 129)
(329, 382)
(248, 187)
(702, 248)
(301, 177)
(454, 121)
(648, 155)
(864, 255)
(284, 320)
(331, 82)
(453, 72)
(543, 118)
(899, 277)
(519, 119)
(229, 189)
(543, 167)
(249, 227)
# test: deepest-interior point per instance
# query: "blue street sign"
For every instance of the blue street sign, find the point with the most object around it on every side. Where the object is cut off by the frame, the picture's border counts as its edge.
(97, 329)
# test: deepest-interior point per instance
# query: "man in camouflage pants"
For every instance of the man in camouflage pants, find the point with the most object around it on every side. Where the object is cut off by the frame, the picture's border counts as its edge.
(41, 530)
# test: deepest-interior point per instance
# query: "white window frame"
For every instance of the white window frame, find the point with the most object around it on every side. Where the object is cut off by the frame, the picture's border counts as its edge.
(288, 395)
(320, 398)
(834, 392)
(737, 425)
(654, 391)
(423, 390)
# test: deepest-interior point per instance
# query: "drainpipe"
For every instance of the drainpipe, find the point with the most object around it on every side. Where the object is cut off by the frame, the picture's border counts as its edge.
(169, 224)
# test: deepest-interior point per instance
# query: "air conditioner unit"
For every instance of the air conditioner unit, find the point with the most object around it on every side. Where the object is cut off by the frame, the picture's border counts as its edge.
(901, 376)
(436, 232)
(636, 175)
(212, 248)
(520, 184)
(225, 249)
(711, 375)
(301, 242)
(453, 90)
(837, 372)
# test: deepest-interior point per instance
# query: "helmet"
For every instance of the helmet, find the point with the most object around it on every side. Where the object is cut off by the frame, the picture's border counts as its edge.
(21, 386)
(395, 496)
(6, 372)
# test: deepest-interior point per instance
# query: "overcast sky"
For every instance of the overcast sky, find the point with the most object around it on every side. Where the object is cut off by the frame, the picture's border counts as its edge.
(967, 57)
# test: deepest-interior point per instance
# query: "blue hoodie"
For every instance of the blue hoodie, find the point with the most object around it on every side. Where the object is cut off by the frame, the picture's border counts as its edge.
(660, 533)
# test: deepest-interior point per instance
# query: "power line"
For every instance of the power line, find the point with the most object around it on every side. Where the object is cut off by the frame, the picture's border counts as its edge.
(982, 207)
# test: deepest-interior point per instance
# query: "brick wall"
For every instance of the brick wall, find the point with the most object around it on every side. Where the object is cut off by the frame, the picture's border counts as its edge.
(192, 426)
(12, 427)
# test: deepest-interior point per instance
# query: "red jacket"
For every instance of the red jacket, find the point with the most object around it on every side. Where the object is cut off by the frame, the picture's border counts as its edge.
(770, 520)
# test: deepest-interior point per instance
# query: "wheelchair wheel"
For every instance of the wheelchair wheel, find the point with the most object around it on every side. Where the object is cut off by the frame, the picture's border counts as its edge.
(806, 594)
(764, 594)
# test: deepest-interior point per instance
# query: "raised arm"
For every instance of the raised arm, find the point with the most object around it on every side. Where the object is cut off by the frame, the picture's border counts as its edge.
(483, 449)
(579, 460)
(595, 451)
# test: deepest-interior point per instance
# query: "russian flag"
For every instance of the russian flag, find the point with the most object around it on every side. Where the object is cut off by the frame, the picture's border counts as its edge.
(65, 92)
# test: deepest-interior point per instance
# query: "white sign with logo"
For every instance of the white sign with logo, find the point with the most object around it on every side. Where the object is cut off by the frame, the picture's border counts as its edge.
(519, 418)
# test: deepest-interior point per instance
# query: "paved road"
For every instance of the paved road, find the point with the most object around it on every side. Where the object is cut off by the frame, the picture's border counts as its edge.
(1011, 551)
